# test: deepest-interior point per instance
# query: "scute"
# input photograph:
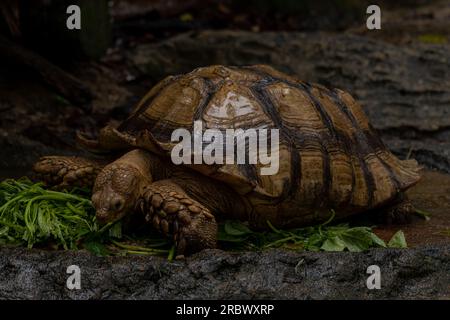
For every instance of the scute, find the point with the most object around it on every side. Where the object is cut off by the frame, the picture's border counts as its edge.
(287, 100)
(234, 106)
(330, 156)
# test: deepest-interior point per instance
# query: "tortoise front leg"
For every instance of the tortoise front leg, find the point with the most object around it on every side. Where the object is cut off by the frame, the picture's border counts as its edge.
(63, 171)
(173, 212)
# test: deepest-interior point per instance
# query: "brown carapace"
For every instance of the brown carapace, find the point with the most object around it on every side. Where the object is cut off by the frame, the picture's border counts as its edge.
(330, 157)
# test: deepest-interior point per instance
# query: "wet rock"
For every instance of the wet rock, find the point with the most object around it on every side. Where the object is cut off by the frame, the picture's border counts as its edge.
(17, 152)
(214, 274)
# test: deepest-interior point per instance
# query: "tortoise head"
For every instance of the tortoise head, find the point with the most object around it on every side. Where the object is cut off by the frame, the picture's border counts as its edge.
(116, 191)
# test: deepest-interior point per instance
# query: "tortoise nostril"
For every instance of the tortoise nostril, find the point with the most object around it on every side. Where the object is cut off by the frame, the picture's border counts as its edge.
(95, 198)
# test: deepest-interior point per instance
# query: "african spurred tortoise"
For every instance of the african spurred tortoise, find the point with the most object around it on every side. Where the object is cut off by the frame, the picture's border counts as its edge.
(330, 157)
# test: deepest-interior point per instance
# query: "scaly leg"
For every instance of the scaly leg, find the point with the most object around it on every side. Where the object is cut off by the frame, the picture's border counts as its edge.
(63, 171)
(173, 212)
(400, 212)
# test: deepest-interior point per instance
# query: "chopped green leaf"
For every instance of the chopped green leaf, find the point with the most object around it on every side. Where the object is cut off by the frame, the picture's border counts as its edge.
(97, 248)
(116, 230)
(398, 240)
(357, 239)
(323, 237)
(236, 228)
(334, 244)
(376, 240)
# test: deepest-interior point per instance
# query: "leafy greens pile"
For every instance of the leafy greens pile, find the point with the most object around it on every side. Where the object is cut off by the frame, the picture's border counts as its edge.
(33, 215)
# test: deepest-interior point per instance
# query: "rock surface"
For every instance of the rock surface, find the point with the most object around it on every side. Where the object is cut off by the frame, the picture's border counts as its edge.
(214, 274)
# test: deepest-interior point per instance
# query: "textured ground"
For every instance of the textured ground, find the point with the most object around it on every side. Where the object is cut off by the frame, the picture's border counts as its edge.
(214, 274)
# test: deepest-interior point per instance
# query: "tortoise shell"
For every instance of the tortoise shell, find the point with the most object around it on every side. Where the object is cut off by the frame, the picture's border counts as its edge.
(330, 156)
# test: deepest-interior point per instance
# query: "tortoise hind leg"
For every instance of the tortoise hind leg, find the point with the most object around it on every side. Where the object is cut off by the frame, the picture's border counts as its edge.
(64, 171)
(173, 212)
(400, 212)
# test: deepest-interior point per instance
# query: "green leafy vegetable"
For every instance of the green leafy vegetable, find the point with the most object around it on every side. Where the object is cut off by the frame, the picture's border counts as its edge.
(398, 240)
(97, 248)
(334, 244)
(115, 231)
(236, 235)
(31, 214)
(234, 228)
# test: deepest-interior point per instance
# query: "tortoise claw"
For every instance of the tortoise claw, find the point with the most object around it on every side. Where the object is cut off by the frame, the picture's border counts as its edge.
(175, 214)
(63, 172)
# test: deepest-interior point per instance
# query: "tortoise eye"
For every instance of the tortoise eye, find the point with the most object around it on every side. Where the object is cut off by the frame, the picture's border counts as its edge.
(117, 204)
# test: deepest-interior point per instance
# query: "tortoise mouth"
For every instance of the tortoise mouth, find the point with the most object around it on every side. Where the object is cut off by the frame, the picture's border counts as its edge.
(104, 216)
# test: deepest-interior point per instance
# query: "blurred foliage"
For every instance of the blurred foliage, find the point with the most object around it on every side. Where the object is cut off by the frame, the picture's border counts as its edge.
(433, 38)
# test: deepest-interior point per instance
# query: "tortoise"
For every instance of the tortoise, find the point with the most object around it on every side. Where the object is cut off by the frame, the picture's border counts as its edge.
(330, 158)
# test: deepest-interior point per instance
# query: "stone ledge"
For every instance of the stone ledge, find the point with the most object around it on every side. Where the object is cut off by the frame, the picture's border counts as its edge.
(418, 273)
